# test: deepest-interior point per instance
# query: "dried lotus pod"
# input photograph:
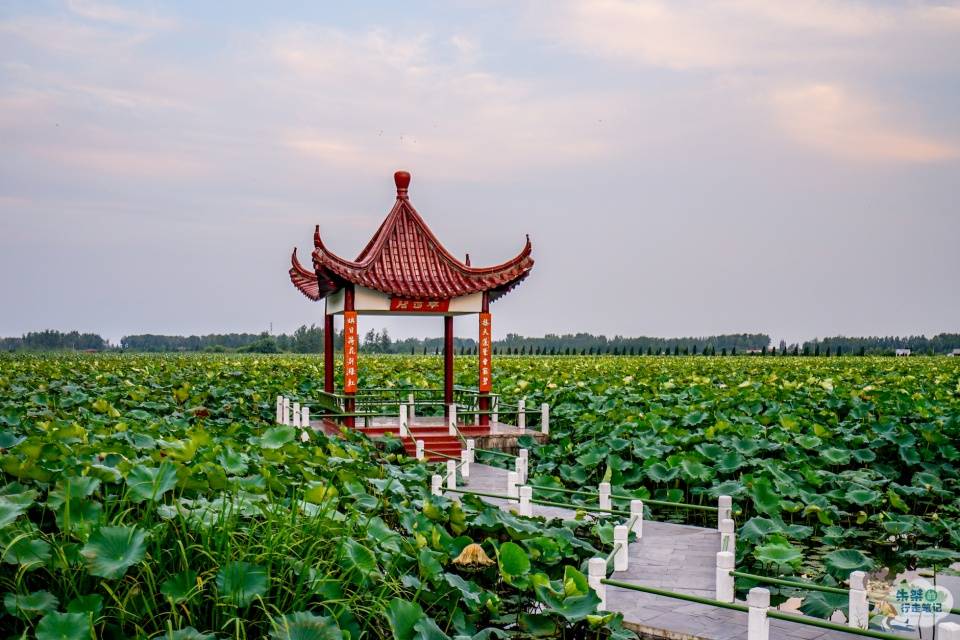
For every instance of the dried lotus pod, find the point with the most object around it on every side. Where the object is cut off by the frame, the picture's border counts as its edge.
(473, 556)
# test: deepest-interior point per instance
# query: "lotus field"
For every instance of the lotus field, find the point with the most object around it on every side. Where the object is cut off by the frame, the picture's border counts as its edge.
(154, 497)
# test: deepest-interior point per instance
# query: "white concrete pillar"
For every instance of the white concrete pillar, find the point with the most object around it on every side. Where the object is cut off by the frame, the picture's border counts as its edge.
(436, 485)
(411, 412)
(404, 430)
(465, 465)
(296, 414)
(859, 612)
(512, 482)
(471, 444)
(420, 455)
(621, 559)
(636, 514)
(724, 509)
(519, 464)
(452, 422)
(545, 419)
(597, 571)
(285, 419)
(724, 583)
(522, 413)
(728, 536)
(305, 417)
(279, 409)
(948, 631)
(758, 624)
(451, 474)
(526, 507)
(605, 502)
(524, 459)
(495, 402)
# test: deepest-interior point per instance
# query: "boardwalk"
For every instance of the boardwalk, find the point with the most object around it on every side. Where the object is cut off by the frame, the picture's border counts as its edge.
(676, 558)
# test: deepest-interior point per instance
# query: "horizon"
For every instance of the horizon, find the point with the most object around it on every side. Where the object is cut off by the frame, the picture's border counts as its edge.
(742, 167)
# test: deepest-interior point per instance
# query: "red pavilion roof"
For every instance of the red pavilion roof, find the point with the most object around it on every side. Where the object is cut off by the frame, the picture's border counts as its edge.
(405, 259)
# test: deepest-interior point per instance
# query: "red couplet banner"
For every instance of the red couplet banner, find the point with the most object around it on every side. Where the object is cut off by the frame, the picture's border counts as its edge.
(350, 345)
(486, 344)
(419, 306)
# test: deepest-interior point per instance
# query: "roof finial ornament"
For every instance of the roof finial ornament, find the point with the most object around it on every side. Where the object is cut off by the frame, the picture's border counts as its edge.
(468, 260)
(402, 180)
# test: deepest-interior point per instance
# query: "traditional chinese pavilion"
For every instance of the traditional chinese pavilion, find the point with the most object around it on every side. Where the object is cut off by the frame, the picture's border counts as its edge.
(404, 270)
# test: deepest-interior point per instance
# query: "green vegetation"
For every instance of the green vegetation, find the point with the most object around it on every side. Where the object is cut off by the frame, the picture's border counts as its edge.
(151, 496)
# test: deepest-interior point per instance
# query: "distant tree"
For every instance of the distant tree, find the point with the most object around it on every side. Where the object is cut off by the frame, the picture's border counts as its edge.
(763, 351)
(723, 352)
(796, 349)
(816, 350)
(733, 351)
(676, 349)
(694, 349)
(686, 351)
(863, 350)
(828, 351)
(838, 349)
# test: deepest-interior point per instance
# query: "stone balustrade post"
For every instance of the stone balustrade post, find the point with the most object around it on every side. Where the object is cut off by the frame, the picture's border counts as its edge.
(724, 582)
(636, 514)
(545, 419)
(526, 495)
(597, 571)
(451, 474)
(724, 509)
(436, 485)
(859, 611)
(758, 624)
(621, 536)
(605, 501)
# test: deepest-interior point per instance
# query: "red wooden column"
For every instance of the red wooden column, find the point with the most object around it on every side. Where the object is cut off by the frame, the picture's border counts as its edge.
(351, 345)
(328, 333)
(447, 364)
(484, 358)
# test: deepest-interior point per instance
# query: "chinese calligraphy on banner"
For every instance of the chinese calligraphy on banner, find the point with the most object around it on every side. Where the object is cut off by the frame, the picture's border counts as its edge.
(486, 342)
(350, 345)
(419, 306)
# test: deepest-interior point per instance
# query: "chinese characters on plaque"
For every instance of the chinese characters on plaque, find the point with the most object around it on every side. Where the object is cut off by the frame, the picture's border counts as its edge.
(486, 342)
(419, 306)
(350, 345)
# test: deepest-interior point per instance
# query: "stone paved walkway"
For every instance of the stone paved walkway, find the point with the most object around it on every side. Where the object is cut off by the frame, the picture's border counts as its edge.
(673, 557)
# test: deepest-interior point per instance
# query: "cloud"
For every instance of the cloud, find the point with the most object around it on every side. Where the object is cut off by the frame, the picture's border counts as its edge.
(737, 34)
(828, 118)
(423, 100)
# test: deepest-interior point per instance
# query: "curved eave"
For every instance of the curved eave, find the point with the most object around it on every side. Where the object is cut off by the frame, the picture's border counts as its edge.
(308, 282)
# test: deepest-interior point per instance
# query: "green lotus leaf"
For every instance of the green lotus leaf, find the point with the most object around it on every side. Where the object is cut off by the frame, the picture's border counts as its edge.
(841, 562)
(181, 587)
(304, 625)
(863, 496)
(537, 625)
(808, 441)
(694, 470)
(779, 554)
(756, 529)
(730, 462)
(357, 558)
(65, 626)
(909, 455)
(472, 594)
(513, 560)
(276, 437)
(150, 483)
(661, 473)
(91, 604)
(402, 616)
(30, 605)
(835, 455)
(27, 552)
(822, 605)
(936, 555)
(110, 551)
(239, 583)
(10, 511)
(189, 633)
(426, 629)
(897, 527)
(233, 462)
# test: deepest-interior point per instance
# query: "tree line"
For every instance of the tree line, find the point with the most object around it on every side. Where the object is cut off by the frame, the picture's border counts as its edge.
(309, 339)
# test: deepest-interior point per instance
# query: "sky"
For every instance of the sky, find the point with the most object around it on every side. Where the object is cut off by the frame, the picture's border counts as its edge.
(682, 168)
